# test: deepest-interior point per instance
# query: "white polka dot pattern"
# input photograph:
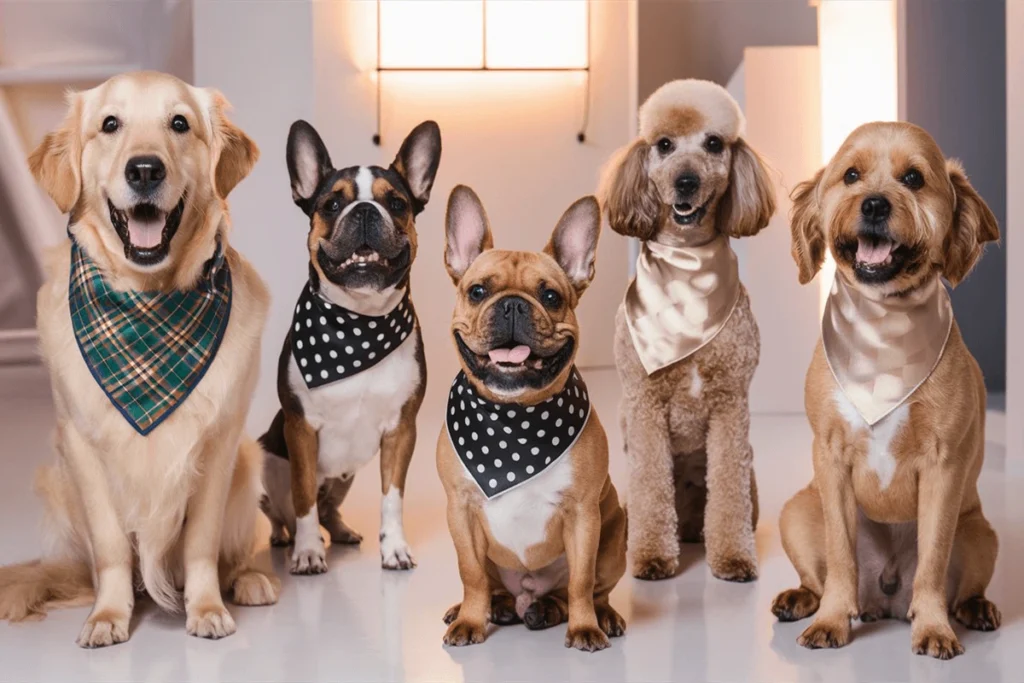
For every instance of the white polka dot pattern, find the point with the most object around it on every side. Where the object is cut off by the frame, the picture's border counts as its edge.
(517, 449)
(320, 349)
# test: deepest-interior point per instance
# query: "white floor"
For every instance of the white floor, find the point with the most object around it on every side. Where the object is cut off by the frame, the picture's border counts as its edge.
(361, 623)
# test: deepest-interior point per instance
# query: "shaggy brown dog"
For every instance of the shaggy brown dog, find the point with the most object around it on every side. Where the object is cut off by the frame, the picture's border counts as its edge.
(174, 509)
(689, 180)
(896, 215)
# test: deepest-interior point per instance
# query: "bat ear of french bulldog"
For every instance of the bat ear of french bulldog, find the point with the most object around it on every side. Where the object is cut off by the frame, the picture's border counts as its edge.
(308, 164)
(573, 244)
(417, 161)
(467, 232)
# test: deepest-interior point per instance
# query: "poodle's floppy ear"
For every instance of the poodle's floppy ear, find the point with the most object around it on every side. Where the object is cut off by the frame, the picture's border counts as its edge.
(973, 225)
(57, 162)
(573, 243)
(467, 232)
(235, 152)
(627, 194)
(808, 247)
(749, 203)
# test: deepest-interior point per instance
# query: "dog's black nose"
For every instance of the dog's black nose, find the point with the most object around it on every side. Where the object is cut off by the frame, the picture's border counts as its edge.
(512, 306)
(876, 208)
(144, 174)
(687, 184)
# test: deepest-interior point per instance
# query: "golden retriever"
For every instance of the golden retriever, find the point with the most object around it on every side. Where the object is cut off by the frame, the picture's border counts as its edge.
(143, 164)
(891, 525)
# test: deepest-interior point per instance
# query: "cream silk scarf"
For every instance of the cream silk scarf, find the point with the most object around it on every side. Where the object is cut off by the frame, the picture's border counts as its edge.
(681, 298)
(881, 350)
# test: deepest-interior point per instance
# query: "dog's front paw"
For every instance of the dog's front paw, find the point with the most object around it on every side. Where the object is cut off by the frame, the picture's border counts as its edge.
(309, 560)
(826, 634)
(586, 638)
(610, 621)
(979, 614)
(254, 589)
(656, 568)
(795, 604)
(104, 628)
(545, 612)
(210, 621)
(935, 640)
(739, 569)
(395, 553)
(462, 632)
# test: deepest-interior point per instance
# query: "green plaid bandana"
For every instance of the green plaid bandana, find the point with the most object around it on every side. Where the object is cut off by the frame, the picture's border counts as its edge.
(148, 350)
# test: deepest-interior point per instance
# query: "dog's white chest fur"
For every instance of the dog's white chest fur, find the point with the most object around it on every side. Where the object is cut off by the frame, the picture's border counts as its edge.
(880, 436)
(352, 414)
(519, 518)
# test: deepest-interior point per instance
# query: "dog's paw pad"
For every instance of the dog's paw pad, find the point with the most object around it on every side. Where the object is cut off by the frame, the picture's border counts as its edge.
(588, 639)
(104, 629)
(979, 614)
(936, 641)
(656, 569)
(795, 604)
(254, 589)
(209, 622)
(309, 561)
(461, 633)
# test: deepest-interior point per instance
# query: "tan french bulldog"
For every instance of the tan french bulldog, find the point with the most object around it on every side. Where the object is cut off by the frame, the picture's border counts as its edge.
(536, 521)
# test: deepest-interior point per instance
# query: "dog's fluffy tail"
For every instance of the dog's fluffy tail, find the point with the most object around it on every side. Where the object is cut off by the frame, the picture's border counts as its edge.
(30, 589)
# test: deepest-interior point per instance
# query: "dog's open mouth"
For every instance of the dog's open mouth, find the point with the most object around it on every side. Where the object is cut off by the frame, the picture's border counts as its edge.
(875, 255)
(146, 231)
(362, 258)
(685, 213)
(515, 366)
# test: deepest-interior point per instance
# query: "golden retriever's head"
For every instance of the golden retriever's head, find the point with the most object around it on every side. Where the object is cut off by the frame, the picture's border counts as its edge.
(141, 159)
(515, 323)
(892, 210)
(690, 173)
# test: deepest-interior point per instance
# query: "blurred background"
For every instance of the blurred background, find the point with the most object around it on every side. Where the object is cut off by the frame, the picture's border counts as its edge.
(805, 72)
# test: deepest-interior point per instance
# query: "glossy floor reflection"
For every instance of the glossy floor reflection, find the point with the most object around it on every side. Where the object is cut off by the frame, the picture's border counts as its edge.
(361, 623)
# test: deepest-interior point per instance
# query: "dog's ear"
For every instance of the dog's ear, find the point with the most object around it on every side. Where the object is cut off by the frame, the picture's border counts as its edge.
(308, 163)
(57, 162)
(573, 244)
(973, 225)
(234, 152)
(467, 232)
(417, 161)
(808, 246)
(629, 198)
(749, 203)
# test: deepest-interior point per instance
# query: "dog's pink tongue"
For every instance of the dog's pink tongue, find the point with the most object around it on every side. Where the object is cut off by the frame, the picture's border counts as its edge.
(145, 234)
(873, 254)
(513, 355)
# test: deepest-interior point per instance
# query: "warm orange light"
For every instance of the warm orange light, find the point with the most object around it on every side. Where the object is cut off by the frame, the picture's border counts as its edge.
(537, 34)
(431, 34)
(475, 34)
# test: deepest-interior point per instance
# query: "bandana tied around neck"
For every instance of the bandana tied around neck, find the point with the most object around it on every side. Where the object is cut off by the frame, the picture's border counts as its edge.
(503, 445)
(148, 350)
(680, 299)
(881, 350)
(331, 343)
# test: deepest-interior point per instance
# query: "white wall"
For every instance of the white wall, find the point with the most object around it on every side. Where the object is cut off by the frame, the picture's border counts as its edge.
(512, 137)
(1014, 228)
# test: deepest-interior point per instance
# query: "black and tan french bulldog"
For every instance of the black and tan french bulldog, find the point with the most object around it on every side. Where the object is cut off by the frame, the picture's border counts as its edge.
(536, 521)
(352, 373)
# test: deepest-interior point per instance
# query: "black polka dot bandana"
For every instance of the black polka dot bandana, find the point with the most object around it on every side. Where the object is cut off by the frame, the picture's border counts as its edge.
(331, 343)
(503, 445)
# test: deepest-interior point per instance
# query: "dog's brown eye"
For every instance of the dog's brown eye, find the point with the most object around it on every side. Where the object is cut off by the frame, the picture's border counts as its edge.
(477, 293)
(396, 204)
(714, 144)
(851, 176)
(332, 206)
(179, 124)
(665, 145)
(551, 299)
(913, 179)
(111, 124)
